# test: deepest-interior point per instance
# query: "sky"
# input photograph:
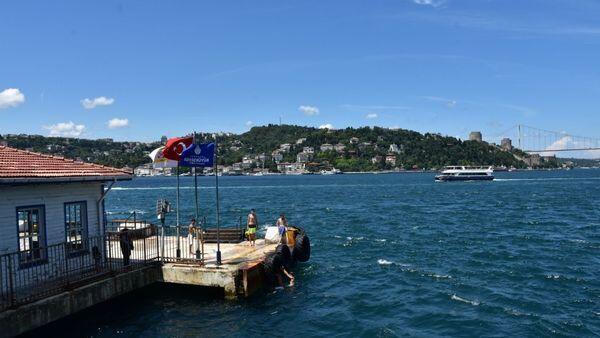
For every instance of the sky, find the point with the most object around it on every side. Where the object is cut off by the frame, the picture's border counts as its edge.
(137, 70)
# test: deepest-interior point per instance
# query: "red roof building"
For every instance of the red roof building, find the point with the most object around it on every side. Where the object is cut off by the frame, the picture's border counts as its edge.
(48, 200)
(20, 166)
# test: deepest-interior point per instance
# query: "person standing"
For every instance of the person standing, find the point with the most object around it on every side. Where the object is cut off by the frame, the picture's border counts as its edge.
(190, 236)
(252, 226)
(126, 245)
(282, 227)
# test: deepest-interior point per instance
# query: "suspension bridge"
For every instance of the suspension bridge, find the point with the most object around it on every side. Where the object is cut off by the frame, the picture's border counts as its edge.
(546, 142)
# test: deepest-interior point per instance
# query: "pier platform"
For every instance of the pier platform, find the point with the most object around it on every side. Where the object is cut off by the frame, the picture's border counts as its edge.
(239, 273)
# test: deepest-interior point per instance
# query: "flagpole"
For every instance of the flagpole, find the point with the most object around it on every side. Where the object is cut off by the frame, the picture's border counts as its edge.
(178, 225)
(197, 209)
(218, 209)
(196, 183)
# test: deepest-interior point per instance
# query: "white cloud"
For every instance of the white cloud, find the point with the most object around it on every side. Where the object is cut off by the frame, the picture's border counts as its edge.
(66, 129)
(326, 126)
(11, 97)
(117, 123)
(98, 101)
(249, 124)
(371, 116)
(432, 3)
(309, 110)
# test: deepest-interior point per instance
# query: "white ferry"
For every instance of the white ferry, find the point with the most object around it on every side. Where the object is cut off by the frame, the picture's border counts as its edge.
(466, 173)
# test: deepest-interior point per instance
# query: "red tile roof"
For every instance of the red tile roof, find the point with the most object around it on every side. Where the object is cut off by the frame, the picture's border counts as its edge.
(20, 165)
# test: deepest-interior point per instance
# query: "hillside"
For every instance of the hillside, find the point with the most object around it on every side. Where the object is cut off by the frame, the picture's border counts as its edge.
(350, 149)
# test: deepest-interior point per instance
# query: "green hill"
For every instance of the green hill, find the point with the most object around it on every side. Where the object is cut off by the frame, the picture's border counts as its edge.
(358, 149)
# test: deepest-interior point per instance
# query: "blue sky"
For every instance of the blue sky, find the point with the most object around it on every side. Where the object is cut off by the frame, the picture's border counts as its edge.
(167, 68)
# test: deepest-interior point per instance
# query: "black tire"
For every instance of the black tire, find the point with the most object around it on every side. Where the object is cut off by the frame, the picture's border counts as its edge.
(301, 251)
(272, 267)
(286, 256)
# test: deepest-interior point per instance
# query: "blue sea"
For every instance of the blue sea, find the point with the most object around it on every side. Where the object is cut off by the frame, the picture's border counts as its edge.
(392, 255)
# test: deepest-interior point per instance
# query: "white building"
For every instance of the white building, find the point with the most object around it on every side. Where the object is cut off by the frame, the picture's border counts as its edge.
(248, 161)
(47, 200)
(376, 159)
(339, 147)
(285, 147)
(390, 159)
(326, 147)
(277, 156)
(308, 150)
(289, 168)
(303, 157)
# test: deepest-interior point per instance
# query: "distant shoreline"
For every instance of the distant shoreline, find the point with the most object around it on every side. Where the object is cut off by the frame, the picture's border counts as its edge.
(370, 173)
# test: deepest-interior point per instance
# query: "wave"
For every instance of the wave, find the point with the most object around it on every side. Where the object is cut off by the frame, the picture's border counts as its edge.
(436, 276)
(384, 262)
(464, 300)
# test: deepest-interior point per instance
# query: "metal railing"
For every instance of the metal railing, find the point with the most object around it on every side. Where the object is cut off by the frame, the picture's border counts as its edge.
(131, 222)
(181, 246)
(27, 276)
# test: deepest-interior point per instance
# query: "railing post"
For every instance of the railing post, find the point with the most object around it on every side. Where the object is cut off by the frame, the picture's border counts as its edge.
(157, 244)
(145, 257)
(109, 248)
(162, 240)
(11, 291)
(66, 263)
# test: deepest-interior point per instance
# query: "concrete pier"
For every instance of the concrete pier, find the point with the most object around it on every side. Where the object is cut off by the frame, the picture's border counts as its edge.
(236, 275)
(239, 275)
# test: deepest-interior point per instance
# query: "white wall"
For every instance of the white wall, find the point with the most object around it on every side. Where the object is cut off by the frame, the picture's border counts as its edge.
(53, 197)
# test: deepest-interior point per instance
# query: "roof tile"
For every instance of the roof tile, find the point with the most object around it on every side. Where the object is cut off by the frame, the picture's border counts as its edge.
(15, 163)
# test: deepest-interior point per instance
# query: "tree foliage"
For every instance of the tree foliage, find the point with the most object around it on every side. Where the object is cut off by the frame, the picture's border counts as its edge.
(416, 151)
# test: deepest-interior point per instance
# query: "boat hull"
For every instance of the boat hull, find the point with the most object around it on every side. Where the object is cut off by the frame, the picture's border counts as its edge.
(464, 178)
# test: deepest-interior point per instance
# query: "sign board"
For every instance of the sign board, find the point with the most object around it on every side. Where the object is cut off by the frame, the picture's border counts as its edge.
(198, 155)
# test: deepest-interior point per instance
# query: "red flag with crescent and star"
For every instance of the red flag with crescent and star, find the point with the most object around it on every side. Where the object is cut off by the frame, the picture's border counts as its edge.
(176, 146)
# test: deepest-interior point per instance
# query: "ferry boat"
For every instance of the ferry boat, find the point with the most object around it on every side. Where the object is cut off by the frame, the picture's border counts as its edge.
(466, 173)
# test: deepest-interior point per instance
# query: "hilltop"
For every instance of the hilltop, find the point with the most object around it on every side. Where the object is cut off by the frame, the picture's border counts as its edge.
(306, 148)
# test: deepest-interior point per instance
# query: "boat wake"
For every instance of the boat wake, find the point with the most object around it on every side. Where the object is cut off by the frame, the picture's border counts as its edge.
(547, 179)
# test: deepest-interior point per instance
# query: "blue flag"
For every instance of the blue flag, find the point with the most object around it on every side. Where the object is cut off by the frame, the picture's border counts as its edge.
(198, 155)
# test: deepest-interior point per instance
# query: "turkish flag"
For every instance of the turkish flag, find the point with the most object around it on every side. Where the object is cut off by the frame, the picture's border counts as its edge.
(176, 146)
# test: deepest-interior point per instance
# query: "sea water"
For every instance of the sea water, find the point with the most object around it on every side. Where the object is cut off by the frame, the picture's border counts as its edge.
(392, 255)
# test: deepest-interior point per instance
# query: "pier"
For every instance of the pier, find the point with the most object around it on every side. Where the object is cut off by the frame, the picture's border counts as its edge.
(33, 296)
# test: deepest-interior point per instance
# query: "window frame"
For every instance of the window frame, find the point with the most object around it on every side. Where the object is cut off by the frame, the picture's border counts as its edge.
(43, 234)
(69, 245)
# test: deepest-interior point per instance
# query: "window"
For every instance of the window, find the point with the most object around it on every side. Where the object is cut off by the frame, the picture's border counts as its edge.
(31, 229)
(76, 226)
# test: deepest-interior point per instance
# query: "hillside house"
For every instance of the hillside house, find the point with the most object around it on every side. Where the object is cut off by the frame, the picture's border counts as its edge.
(326, 147)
